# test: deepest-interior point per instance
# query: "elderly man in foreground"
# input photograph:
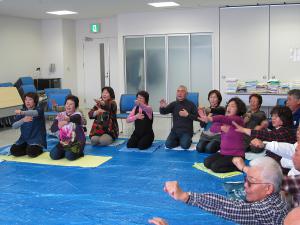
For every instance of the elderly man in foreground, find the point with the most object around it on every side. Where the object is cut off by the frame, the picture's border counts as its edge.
(263, 204)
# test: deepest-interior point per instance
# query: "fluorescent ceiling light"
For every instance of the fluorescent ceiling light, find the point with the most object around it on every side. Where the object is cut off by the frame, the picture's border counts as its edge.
(163, 4)
(62, 12)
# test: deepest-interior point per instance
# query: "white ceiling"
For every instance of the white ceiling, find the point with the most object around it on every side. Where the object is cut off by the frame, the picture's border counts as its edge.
(105, 8)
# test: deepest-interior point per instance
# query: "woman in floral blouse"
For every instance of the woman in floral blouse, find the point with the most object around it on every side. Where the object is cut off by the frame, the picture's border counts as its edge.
(105, 126)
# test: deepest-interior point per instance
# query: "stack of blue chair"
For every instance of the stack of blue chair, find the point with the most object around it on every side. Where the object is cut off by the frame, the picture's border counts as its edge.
(26, 80)
(25, 85)
(28, 88)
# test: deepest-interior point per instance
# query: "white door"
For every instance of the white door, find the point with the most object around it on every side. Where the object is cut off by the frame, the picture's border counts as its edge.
(96, 68)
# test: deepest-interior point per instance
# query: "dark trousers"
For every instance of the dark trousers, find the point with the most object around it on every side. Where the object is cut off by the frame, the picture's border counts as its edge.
(183, 139)
(25, 149)
(142, 142)
(205, 146)
(220, 163)
(58, 152)
(209, 143)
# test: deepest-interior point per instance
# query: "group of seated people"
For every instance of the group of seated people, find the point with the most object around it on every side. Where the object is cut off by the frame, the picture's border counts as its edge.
(231, 134)
(228, 133)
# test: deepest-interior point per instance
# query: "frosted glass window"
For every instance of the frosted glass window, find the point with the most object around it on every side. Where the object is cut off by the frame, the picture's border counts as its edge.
(178, 64)
(134, 53)
(201, 66)
(159, 64)
(155, 70)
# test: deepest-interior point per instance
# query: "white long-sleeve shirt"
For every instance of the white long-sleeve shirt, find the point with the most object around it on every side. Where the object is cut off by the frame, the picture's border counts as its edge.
(286, 151)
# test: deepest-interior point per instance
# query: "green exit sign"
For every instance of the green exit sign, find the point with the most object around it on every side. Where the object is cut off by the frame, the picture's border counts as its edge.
(95, 27)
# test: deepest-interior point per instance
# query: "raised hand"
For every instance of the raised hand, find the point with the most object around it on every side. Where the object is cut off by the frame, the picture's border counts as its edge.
(225, 128)
(247, 117)
(137, 102)
(140, 116)
(241, 129)
(18, 112)
(205, 118)
(201, 112)
(99, 102)
(183, 113)
(66, 118)
(162, 103)
(100, 111)
(173, 189)
(62, 123)
(27, 119)
(157, 221)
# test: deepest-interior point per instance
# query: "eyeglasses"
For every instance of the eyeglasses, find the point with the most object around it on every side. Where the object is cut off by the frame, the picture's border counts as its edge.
(250, 183)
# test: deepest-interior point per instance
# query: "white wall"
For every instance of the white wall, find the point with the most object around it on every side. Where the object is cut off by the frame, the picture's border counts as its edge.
(108, 30)
(20, 47)
(167, 22)
(52, 37)
(69, 56)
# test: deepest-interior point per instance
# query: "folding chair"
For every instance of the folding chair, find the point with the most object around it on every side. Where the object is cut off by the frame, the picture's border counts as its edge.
(127, 103)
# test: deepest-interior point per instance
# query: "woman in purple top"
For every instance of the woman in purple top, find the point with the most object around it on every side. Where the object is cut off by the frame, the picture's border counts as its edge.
(232, 142)
(142, 116)
(70, 129)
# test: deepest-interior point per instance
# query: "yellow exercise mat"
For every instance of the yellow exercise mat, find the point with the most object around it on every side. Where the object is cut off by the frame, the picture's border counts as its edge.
(86, 161)
(200, 166)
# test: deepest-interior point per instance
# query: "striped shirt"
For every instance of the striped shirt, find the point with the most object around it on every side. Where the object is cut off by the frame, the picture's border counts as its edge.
(271, 210)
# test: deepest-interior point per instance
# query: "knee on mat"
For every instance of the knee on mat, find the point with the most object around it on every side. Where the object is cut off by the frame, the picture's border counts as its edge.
(206, 163)
(212, 147)
(94, 140)
(131, 145)
(201, 146)
(34, 151)
(14, 150)
(170, 144)
(71, 156)
(143, 146)
(54, 155)
(186, 145)
(215, 168)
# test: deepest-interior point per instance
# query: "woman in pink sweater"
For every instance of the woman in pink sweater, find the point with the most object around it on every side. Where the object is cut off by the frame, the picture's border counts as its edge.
(142, 116)
(231, 141)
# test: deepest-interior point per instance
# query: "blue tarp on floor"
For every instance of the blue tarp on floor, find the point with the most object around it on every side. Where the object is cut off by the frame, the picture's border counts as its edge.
(128, 189)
